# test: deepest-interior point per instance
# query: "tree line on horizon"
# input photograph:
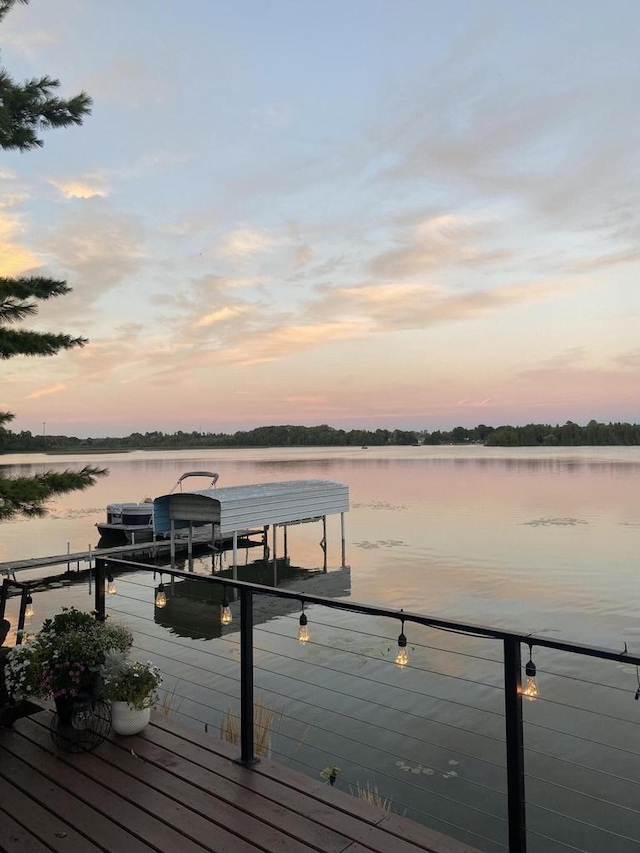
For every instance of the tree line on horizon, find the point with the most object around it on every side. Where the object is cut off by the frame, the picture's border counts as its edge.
(569, 434)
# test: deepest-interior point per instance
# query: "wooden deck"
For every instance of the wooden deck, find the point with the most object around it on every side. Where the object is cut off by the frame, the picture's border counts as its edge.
(175, 789)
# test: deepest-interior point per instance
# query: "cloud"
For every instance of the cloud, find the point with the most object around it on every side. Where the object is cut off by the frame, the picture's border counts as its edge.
(473, 404)
(303, 256)
(244, 243)
(44, 392)
(15, 259)
(28, 41)
(630, 360)
(221, 315)
(437, 243)
(79, 188)
(571, 357)
(611, 259)
(96, 250)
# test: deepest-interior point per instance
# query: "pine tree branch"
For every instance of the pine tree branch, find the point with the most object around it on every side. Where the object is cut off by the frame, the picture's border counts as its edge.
(28, 109)
(15, 291)
(7, 5)
(27, 495)
(38, 287)
(15, 342)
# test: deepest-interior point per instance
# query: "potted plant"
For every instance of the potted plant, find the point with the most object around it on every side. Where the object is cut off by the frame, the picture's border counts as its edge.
(132, 689)
(63, 660)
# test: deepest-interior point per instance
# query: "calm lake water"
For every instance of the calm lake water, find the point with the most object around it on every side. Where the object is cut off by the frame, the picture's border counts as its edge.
(536, 540)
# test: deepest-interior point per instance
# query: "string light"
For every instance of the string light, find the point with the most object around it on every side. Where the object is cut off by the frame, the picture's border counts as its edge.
(226, 617)
(530, 690)
(402, 655)
(111, 587)
(29, 611)
(161, 598)
(303, 631)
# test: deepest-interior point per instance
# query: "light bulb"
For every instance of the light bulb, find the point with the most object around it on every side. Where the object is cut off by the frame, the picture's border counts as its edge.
(402, 655)
(530, 689)
(303, 631)
(161, 598)
(226, 617)
(29, 611)
(111, 587)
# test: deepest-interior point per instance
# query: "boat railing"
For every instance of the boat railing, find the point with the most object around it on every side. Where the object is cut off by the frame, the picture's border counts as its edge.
(212, 476)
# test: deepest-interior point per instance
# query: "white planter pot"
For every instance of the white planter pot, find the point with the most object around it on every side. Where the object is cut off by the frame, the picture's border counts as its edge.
(127, 720)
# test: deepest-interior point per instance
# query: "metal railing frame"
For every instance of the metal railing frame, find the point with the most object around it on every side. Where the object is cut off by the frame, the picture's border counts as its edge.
(512, 661)
(25, 590)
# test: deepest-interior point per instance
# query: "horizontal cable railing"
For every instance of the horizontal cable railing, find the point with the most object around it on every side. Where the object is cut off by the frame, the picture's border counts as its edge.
(449, 739)
(342, 701)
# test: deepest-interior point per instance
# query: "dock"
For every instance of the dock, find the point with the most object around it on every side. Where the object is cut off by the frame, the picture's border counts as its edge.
(173, 788)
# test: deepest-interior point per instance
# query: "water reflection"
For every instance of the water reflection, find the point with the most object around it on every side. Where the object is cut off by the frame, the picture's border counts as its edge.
(193, 607)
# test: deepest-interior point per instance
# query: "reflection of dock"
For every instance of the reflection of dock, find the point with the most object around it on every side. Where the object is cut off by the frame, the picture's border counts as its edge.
(193, 608)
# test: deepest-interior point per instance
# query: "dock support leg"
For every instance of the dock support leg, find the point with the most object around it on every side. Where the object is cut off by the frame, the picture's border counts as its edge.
(274, 527)
(265, 543)
(344, 549)
(285, 543)
(323, 543)
(173, 544)
(190, 546)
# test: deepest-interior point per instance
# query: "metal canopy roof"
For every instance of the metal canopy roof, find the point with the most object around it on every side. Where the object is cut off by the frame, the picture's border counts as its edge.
(238, 508)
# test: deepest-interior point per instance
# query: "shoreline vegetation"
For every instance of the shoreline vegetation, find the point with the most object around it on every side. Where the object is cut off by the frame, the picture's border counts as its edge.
(569, 434)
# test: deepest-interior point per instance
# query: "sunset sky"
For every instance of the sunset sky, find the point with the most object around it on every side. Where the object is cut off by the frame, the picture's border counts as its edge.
(376, 213)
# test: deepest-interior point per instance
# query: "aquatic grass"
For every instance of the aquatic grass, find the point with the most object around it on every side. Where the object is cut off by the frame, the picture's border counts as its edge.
(373, 796)
(265, 719)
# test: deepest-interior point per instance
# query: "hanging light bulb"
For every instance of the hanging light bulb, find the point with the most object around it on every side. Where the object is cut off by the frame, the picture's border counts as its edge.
(29, 611)
(303, 631)
(226, 616)
(530, 689)
(402, 655)
(111, 587)
(161, 598)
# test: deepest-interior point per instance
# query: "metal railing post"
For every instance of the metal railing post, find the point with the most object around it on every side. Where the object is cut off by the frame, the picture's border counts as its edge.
(22, 615)
(515, 746)
(99, 590)
(247, 757)
(4, 595)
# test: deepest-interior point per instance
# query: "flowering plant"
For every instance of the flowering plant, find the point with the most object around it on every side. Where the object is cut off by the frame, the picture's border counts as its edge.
(65, 657)
(135, 683)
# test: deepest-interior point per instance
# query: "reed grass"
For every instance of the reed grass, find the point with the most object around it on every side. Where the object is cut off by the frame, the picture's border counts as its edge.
(265, 720)
(169, 705)
(374, 797)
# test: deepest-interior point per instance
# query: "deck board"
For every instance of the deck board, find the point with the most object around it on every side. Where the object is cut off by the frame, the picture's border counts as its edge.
(179, 790)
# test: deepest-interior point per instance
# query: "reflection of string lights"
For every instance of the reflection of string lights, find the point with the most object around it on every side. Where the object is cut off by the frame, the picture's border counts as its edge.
(29, 611)
(111, 587)
(161, 597)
